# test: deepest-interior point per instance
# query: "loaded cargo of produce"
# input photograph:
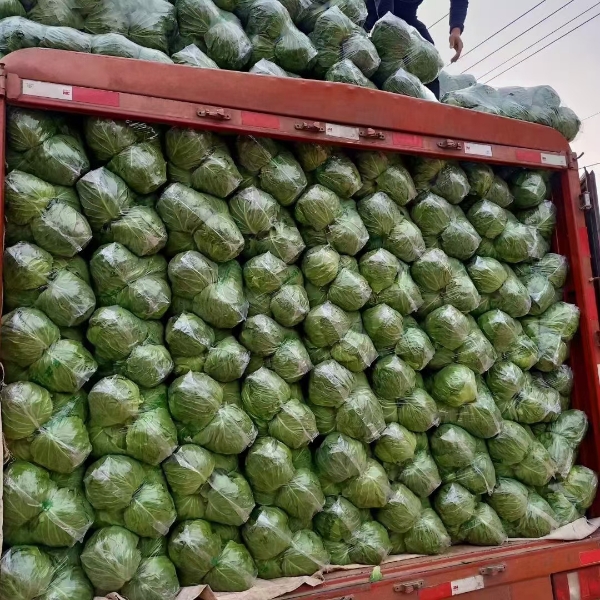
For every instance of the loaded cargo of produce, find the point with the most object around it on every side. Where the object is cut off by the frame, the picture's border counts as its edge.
(234, 350)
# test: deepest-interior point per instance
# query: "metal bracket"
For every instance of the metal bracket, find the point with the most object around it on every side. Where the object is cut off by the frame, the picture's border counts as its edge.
(450, 145)
(372, 134)
(218, 114)
(492, 570)
(585, 201)
(314, 126)
(343, 598)
(409, 587)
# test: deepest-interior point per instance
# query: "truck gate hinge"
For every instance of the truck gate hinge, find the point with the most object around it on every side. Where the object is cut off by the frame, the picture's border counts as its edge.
(314, 127)
(585, 201)
(492, 569)
(409, 587)
(450, 145)
(218, 114)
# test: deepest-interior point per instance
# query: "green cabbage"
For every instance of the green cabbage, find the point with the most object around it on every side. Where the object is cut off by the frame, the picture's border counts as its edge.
(234, 570)
(269, 465)
(111, 558)
(428, 535)
(229, 499)
(484, 528)
(339, 458)
(193, 547)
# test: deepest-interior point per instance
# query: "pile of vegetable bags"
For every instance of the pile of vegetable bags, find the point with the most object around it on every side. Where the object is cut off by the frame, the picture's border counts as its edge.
(279, 38)
(228, 358)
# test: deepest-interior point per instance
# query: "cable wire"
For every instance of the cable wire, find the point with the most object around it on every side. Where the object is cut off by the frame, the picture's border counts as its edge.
(504, 28)
(518, 36)
(591, 116)
(439, 20)
(542, 48)
(588, 166)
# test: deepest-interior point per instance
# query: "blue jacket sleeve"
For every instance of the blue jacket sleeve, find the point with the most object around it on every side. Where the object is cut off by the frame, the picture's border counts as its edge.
(458, 13)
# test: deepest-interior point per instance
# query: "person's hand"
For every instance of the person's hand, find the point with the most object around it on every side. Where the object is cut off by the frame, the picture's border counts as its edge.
(456, 44)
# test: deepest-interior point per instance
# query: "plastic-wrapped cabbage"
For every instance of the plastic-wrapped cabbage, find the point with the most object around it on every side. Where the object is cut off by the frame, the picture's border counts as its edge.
(484, 528)
(537, 468)
(318, 207)
(267, 67)
(539, 518)
(206, 160)
(229, 498)
(432, 271)
(51, 430)
(384, 325)
(195, 398)
(488, 219)
(188, 469)
(448, 327)
(512, 445)
(519, 243)
(221, 33)
(339, 519)
(402, 511)
(330, 384)
(137, 284)
(554, 267)
(204, 218)
(552, 350)
(542, 217)
(302, 496)
(396, 444)
(269, 465)
(528, 189)
(55, 225)
(335, 35)
(267, 533)
(565, 511)
(509, 499)
(501, 329)
(418, 411)
(454, 385)
(234, 570)
(414, 347)
(428, 535)
(453, 447)
(370, 489)
(420, 475)
(579, 487)
(305, 556)
(37, 511)
(454, 504)
(481, 417)
(43, 149)
(119, 483)
(155, 578)
(264, 393)
(479, 477)
(345, 71)
(340, 458)
(111, 558)
(194, 548)
(275, 37)
(392, 377)
(340, 175)
(370, 544)
(400, 45)
(194, 57)
(571, 425)
(361, 416)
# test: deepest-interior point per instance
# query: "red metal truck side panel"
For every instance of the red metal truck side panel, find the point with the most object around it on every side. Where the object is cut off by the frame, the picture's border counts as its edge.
(313, 100)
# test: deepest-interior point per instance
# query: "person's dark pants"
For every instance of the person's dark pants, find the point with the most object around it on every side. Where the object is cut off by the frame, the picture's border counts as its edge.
(407, 12)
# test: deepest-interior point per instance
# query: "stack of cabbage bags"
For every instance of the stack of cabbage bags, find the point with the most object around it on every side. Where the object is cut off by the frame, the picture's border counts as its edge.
(228, 358)
(279, 38)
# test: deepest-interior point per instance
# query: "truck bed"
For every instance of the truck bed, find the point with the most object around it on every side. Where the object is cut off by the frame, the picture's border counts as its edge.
(520, 570)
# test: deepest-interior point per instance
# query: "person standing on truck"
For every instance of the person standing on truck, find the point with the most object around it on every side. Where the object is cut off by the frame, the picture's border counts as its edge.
(407, 11)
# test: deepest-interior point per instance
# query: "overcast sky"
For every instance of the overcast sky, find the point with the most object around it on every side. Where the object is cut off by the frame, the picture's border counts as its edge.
(571, 66)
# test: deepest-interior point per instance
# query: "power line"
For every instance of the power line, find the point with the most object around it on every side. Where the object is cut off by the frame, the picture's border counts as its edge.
(588, 166)
(504, 28)
(518, 36)
(591, 116)
(542, 48)
(439, 20)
